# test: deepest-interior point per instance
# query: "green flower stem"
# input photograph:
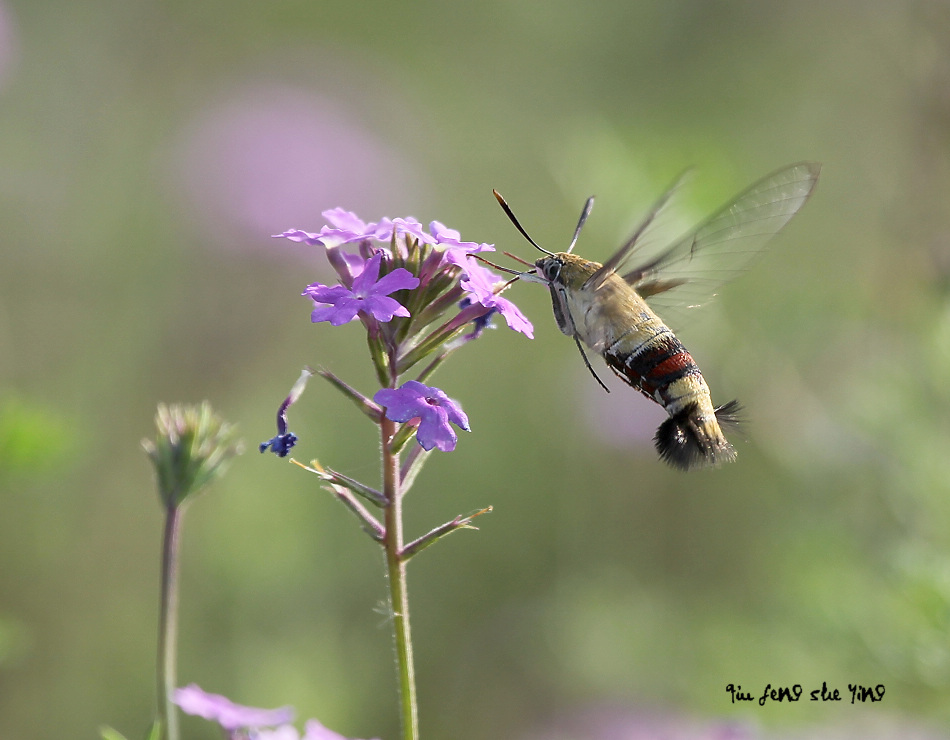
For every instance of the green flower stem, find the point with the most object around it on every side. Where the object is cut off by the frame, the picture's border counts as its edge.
(168, 624)
(399, 599)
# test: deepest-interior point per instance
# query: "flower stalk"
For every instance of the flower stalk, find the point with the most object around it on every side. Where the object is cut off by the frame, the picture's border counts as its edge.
(416, 293)
(168, 625)
(191, 449)
(398, 593)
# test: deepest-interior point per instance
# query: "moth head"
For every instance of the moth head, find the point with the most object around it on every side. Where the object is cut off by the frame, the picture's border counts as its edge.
(549, 268)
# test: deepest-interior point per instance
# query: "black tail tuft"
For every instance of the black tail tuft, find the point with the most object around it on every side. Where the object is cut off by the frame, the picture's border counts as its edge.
(691, 440)
(729, 415)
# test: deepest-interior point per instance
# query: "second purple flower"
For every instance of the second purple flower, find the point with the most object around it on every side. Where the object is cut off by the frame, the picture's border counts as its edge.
(434, 409)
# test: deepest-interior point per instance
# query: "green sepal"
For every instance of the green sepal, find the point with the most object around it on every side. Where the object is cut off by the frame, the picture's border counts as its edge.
(360, 489)
(430, 538)
(433, 307)
(440, 336)
(434, 365)
(427, 346)
(371, 525)
(155, 733)
(406, 432)
(110, 733)
(377, 352)
(412, 465)
(363, 403)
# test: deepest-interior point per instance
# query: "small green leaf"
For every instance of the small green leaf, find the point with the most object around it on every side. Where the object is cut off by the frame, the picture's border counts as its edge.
(156, 732)
(360, 489)
(433, 536)
(412, 465)
(363, 403)
(406, 432)
(370, 524)
(109, 733)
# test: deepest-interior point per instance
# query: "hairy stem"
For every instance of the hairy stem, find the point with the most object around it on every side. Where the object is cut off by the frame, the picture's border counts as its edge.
(396, 568)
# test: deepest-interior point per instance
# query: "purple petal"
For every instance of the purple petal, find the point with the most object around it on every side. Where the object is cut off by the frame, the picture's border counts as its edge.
(414, 228)
(347, 265)
(456, 415)
(345, 312)
(383, 307)
(383, 231)
(398, 279)
(323, 312)
(480, 284)
(345, 220)
(365, 281)
(326, 293)
(457, 257)
(193, 700)
(450, 238)
(513, 317)
(402, 404)
(480, 281)
(434, 430)
(295, 235)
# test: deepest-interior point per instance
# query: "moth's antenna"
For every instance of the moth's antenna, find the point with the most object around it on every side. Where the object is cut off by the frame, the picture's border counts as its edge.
(514, 220)
(581, 221)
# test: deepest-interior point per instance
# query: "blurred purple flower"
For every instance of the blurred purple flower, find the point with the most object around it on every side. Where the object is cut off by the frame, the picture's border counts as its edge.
(260, 155)
(480, 282)
(610, 422)
(434, 409)
(313, 730)
(193, 700)
(9, 43)
(369, 294)
(284, 441)
(284, 732)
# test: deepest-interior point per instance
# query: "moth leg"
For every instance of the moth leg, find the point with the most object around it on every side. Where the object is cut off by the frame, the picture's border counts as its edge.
(587, 362)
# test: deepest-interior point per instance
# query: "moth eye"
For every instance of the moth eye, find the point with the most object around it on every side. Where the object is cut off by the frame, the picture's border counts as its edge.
(551, 270)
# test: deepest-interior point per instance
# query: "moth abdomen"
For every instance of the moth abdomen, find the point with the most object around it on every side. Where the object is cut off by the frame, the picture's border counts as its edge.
(654, 365)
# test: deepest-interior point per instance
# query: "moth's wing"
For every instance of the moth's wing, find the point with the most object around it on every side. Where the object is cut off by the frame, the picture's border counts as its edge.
(636, 239)
(692, 269)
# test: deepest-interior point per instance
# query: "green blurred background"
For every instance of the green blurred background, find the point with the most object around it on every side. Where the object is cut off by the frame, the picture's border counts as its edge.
(149, 149)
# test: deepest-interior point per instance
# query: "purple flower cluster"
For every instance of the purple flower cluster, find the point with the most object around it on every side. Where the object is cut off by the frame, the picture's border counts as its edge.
(415, 291)
(361, 289)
